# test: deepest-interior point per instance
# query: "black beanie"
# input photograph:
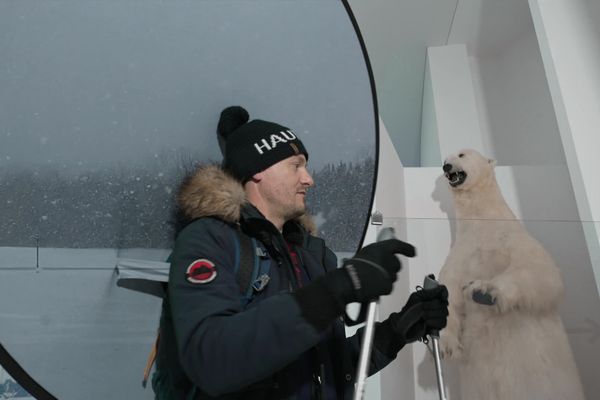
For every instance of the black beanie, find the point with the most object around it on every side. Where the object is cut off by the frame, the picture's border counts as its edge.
(251, 147)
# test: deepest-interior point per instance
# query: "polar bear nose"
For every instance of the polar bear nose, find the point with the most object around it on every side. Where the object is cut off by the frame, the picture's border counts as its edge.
(447, 167)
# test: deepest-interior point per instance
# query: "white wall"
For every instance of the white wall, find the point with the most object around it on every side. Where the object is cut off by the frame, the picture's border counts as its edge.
(567, 32)
(451, 109)
(519, 125)
(593, 7)
(397, 379)
(512, 113)
(430, 143)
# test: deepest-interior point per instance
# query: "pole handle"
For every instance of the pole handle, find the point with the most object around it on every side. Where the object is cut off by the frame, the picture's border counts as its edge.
(430, 283)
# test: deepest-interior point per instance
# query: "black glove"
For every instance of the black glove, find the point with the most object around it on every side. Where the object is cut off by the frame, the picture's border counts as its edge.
(425, 312)
(371, 273)
(366, 276)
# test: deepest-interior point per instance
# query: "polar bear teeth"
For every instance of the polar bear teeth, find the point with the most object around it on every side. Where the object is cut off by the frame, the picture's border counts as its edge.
(456, 178)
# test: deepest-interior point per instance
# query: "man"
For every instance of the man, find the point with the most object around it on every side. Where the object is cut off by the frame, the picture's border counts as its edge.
(287, 340)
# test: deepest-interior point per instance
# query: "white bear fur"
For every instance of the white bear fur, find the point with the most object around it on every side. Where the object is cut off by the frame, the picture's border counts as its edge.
(516, 349)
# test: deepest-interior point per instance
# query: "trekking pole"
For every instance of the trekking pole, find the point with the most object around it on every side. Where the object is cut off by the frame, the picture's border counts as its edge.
(367, 343)
(431, 283)
(365, 351)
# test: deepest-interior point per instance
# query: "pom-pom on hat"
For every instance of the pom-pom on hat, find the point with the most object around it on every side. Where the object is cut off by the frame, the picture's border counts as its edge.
(251, 147)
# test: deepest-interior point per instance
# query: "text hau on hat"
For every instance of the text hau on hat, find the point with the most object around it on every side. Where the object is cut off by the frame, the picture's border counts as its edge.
(282, 137)
(253, 146)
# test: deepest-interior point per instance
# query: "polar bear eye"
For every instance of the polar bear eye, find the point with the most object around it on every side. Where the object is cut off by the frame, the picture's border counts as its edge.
(461, 155)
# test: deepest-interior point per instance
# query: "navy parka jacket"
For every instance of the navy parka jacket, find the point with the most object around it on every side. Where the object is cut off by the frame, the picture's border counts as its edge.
(213, 346)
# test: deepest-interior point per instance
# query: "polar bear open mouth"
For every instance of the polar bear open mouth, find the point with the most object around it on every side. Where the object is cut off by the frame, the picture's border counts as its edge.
(456, 178)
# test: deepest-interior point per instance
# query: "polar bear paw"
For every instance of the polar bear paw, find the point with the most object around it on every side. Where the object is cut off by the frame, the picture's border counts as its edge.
(450, 346)
(501, 298)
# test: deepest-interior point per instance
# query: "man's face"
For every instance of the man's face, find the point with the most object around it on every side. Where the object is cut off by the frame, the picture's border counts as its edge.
(284, 185)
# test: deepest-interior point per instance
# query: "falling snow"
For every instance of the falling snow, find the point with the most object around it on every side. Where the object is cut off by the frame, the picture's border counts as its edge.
(133, 207)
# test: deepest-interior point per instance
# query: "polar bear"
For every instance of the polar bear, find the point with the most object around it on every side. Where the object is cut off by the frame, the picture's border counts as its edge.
(504, 330)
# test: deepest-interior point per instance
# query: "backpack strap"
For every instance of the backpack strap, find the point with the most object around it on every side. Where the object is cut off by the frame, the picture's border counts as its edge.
(251, 268)
(244, 260)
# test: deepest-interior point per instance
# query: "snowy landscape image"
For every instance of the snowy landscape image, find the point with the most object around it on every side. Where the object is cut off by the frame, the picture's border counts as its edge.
(134, 207)
(104, 107)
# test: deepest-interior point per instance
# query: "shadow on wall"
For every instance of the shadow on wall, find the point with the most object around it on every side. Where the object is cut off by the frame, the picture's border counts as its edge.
(426, 372)
(441, 194)
(427, 379)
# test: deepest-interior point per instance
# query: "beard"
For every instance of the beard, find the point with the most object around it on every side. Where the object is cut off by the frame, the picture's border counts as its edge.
(294, 211)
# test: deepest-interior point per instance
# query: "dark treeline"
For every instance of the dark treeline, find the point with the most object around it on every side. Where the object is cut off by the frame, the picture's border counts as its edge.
(340, 202)
(131, 206)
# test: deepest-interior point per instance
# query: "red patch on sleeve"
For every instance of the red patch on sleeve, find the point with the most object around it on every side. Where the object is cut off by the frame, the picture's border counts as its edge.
(201, 271)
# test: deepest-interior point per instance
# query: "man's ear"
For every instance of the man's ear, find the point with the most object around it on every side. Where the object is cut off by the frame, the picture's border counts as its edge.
(257, 177)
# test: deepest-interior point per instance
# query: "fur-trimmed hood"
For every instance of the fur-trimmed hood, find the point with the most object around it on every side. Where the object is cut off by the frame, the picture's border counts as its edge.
(210, 191)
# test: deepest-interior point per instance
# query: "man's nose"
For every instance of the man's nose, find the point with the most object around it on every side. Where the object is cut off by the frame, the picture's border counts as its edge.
(307, 179)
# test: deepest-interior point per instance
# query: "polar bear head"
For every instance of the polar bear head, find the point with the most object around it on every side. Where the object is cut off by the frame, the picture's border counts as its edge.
(466, 168)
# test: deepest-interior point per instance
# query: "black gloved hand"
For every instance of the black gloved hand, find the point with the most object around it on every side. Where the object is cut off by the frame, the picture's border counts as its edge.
(425, 312)
(368, 275)
(371, 273)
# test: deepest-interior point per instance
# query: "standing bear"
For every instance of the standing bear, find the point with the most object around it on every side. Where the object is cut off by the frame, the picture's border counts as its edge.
(504, 329)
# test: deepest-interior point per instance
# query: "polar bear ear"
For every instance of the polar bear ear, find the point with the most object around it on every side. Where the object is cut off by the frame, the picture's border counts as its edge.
(492, 162)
